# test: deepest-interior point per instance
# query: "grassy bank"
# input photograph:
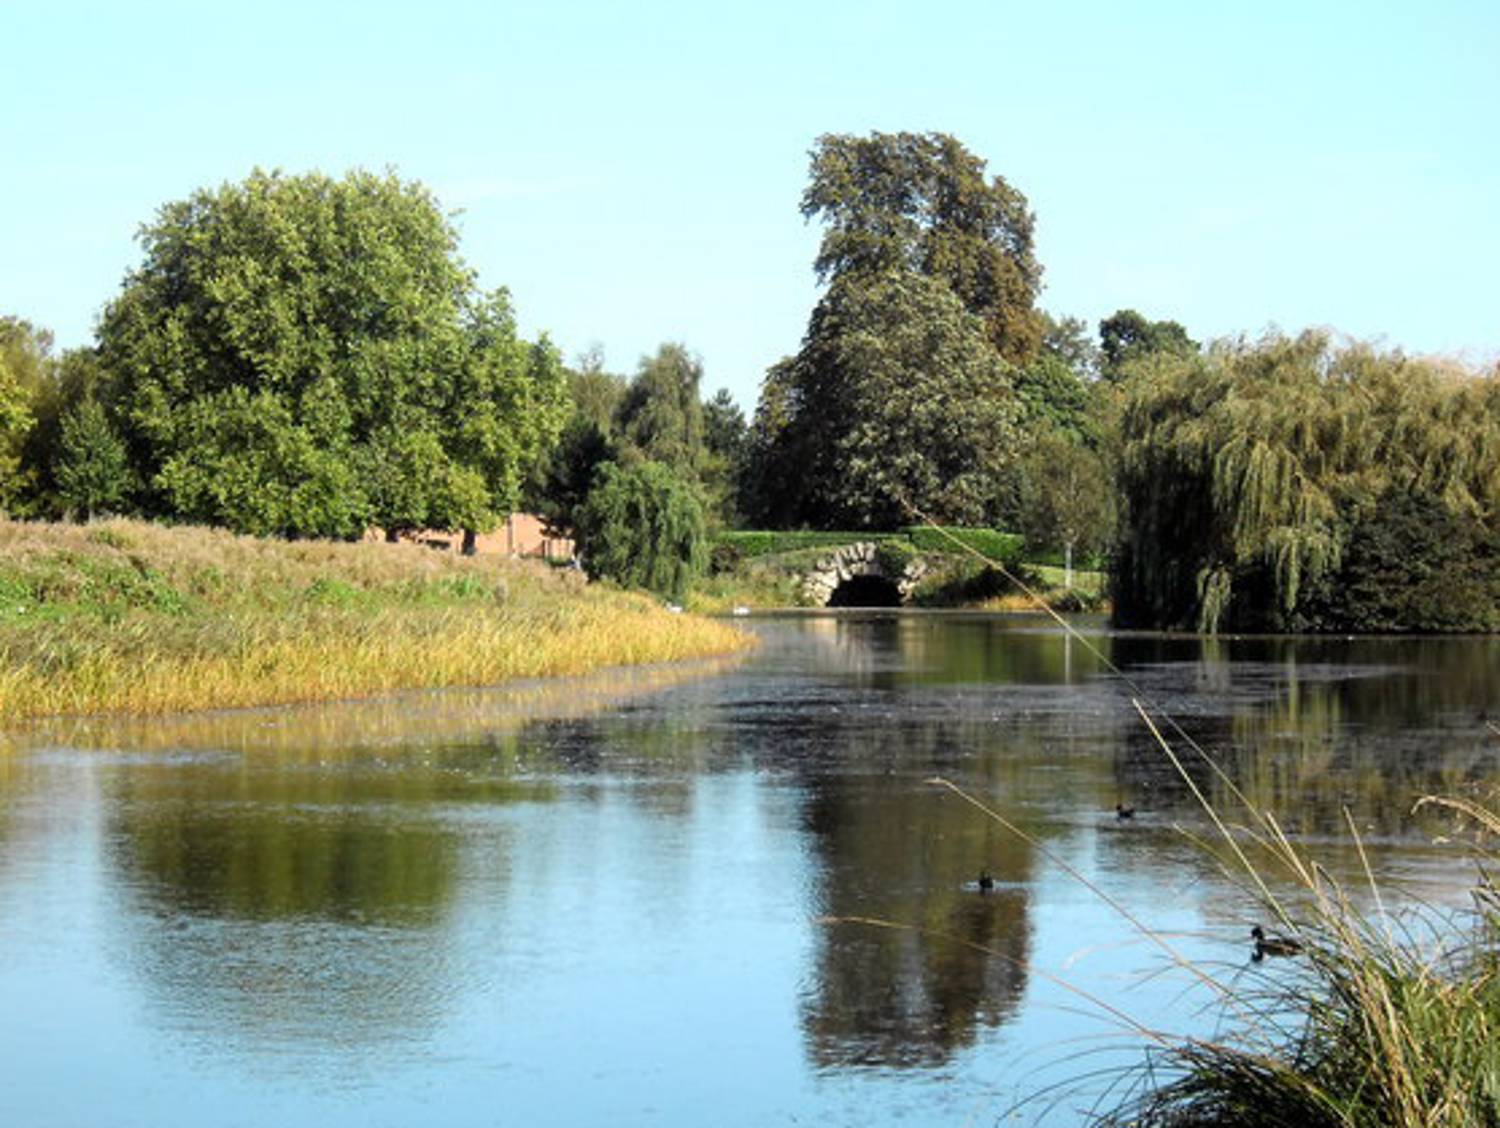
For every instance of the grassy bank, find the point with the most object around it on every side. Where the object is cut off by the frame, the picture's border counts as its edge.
(129, 617)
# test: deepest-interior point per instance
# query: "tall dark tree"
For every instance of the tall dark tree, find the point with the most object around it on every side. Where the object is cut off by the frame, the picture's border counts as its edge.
(895, 407)
(1128, 337)
(901, 400)
(725, 440)
(922, 202)
(661, 416)
(561, 478)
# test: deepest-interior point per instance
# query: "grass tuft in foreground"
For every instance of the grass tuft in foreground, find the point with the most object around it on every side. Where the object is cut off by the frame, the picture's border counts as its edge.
(1379, 1019)
(130, 617)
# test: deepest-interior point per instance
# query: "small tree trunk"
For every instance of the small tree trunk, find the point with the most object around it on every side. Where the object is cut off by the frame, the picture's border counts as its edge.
(1068, 565)
(470, 547)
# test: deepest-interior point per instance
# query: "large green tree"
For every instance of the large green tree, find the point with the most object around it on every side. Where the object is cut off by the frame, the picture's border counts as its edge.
(922, 202)
(901, 401)
(896, 408)
(302, 355)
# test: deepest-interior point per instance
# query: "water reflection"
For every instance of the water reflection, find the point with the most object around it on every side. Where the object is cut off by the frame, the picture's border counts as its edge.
(569, 887)
(1311, 728)
(275, 904)
(954, 957)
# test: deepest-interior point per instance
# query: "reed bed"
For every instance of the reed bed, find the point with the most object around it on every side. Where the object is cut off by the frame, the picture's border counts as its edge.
(129, 617)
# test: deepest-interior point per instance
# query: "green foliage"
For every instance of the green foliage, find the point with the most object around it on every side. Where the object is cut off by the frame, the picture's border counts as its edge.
(751, 543)
(922, 203)
(1128, 337)
(92, 464)
(561, 478)
(726, 446)
(1054, 398)
(1250, 476)
(1066, 496)
(1068, 340)
(24, 363)
(301, 355)
(900, 403)
(1004, 548)
(896, 407)
(643, 526)
(655, 417)
(1411, 561)
(660, 417)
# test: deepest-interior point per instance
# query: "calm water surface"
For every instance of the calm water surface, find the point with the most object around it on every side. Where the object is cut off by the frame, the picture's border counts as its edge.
(608, 902)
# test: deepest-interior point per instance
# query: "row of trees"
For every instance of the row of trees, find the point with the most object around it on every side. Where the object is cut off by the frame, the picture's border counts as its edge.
(1280, 484)
(643, 469)
(305, 356)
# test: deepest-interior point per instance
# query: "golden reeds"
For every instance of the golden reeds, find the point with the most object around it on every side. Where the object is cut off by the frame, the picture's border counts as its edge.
(130, 617)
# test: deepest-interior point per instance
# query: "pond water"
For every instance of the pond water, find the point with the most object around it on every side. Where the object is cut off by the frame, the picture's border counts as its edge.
(628, 900)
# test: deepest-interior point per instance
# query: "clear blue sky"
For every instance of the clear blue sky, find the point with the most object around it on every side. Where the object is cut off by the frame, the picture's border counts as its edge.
(632, 171)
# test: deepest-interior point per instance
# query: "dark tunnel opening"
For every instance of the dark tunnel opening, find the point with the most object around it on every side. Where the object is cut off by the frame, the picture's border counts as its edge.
(866, 591)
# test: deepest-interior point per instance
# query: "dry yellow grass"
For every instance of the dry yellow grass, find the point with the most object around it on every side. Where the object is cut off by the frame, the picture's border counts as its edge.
(130, 617)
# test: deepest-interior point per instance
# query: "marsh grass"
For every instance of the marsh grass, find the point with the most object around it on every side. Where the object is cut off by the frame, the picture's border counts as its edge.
(131, 617)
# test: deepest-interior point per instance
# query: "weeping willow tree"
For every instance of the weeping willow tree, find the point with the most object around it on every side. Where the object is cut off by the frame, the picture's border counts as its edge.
(1290, 484)
(643, 526)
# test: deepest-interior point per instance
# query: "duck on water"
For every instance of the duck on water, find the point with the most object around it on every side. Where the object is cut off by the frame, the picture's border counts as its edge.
(1272, 945)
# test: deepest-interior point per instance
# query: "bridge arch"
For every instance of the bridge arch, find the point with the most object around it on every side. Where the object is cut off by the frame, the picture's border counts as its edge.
(855, 576)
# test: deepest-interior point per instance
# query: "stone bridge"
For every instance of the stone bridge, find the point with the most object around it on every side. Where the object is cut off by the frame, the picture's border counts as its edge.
(855, 576)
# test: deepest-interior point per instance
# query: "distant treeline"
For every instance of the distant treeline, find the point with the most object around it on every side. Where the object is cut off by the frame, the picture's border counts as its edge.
(301, 356)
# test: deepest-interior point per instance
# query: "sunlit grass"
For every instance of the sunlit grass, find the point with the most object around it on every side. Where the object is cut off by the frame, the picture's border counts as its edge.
(137, 618)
